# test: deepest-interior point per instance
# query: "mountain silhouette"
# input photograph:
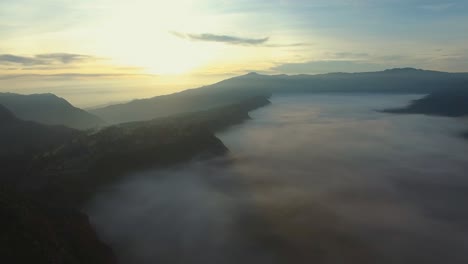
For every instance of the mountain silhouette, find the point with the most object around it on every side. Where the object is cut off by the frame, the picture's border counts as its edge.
(402, 80)
(48, 109)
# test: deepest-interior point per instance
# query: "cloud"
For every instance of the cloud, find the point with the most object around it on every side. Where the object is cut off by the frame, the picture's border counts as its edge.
(43, 59)
(373, 174)
(347, 55)
(63, 57)
(74, 75)
(9, 59)
(299, 44)
(233, 40)
(318, 67)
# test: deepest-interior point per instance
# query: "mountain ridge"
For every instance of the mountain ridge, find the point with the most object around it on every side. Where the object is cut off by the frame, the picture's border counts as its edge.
(49, 109)
(42, 190)
(398, 80)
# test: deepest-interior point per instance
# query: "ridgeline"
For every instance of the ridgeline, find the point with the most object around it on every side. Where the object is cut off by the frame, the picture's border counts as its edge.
(40, 205)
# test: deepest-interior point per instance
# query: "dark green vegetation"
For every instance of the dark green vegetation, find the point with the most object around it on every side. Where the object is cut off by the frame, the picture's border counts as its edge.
(405, 80)
(48, 109)
(62, 171)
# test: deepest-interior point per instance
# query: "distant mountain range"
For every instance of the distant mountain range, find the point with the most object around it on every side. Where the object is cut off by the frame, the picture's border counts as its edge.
(53, 110)
(48, 109)
(404, 80)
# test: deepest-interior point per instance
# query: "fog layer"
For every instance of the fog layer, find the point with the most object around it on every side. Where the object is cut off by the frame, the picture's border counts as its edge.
(310, 179)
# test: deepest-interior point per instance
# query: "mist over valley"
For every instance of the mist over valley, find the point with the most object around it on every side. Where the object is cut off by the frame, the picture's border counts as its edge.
(309, 176)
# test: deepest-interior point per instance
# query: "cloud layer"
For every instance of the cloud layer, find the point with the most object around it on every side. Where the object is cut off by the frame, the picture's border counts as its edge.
(234, 40)
(310, 179)
(43, 59)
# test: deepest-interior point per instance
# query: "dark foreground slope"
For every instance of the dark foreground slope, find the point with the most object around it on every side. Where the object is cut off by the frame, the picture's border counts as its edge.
(35, 233)
(40, 218)
(229, 91)
(26, 137)
(21, 141)
(48, 109)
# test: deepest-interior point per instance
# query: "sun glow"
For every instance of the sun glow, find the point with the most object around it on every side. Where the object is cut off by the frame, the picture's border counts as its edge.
(139, 34)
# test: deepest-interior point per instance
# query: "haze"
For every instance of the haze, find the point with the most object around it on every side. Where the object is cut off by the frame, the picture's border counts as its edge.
(96, 52)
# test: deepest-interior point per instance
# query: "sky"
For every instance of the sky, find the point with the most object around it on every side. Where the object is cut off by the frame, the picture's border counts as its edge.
(95, 52)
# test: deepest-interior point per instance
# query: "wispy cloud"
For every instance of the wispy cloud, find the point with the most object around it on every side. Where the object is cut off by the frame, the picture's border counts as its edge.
(234, 40)
(299, 44)
(64, 66)
(346, 55)
(43, 59)
(64, 57)
(13, 59)
(75, 75)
